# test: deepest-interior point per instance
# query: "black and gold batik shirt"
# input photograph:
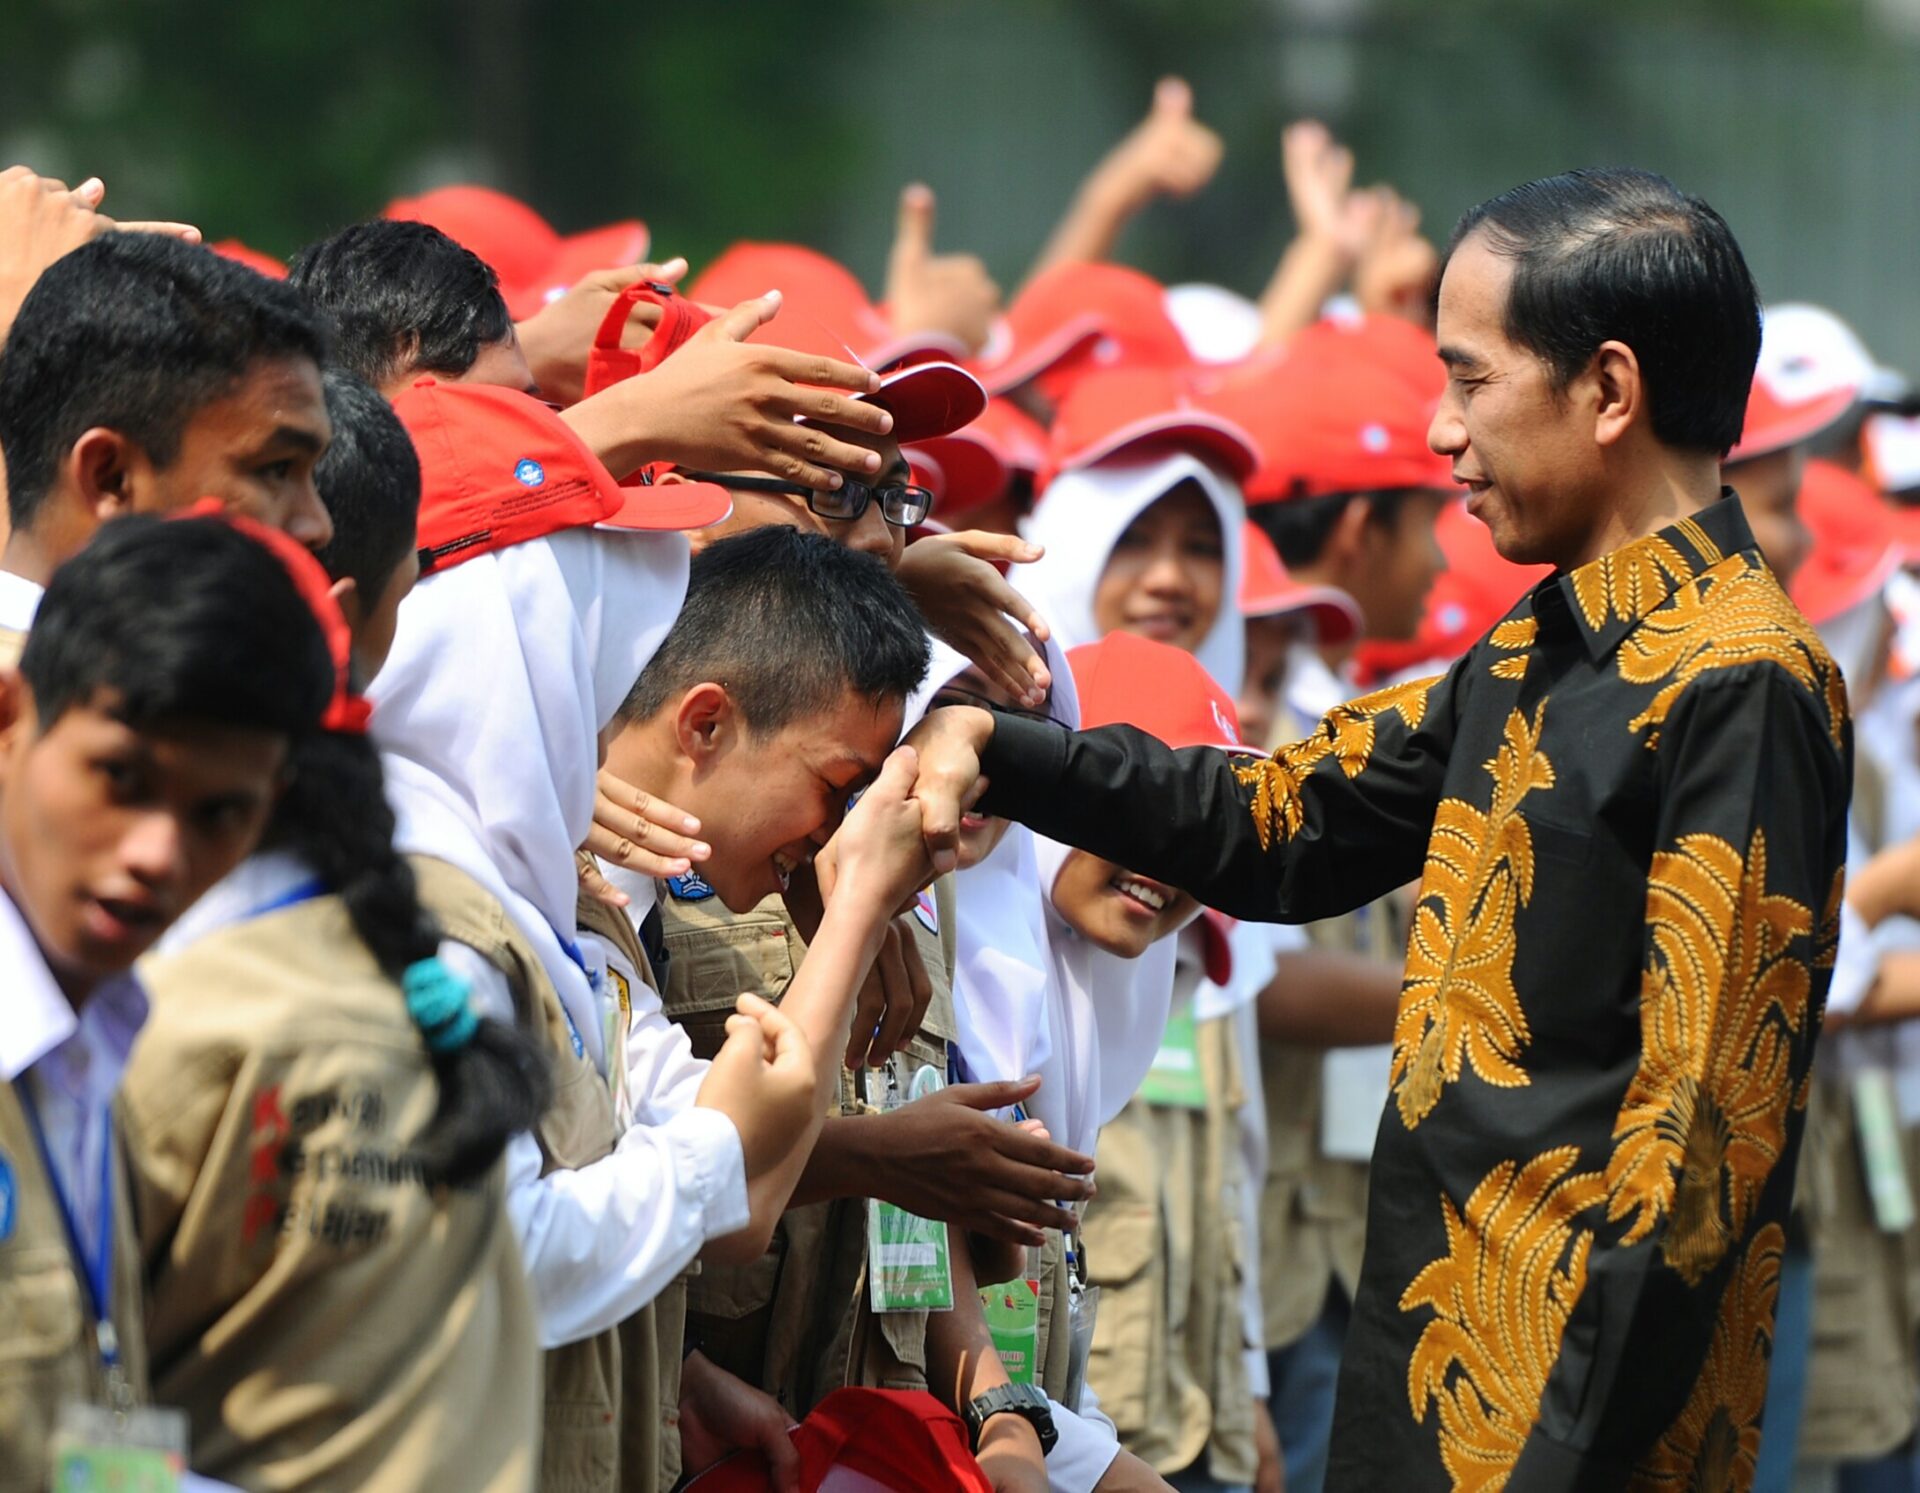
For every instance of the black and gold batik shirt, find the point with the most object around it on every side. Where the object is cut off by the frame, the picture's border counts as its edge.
(1626, 807)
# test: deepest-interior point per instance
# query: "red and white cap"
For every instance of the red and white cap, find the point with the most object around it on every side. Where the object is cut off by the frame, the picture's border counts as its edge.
(925, 399)
(1813, 368)
(1116, 410)
(1077, 317)
(498, 468)
(1476, 590)
(980, 458)
(535, 264)
(1343, 408)
(1856, 546)
(825, 290)
(1892, 447)
(1267, 589)
(1128, 680)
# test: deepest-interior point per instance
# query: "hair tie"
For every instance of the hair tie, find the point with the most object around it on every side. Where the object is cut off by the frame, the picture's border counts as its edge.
(439, 1002)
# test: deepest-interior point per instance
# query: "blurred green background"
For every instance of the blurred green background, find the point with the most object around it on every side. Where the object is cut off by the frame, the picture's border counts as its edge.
(276, 120)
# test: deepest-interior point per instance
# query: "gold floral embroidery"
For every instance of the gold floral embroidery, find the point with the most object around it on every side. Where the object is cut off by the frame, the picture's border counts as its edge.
(1630, 582)
(1516, 1263)
(1515, 634)
(1346, 734)
(1459, 1003)
(1716, 1440)
(1733, 614)
(1826, 939)
(1722, 1002)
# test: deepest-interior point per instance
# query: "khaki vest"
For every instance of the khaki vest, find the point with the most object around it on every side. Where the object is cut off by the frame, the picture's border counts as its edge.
(1313, 1207)
(1165, 1244)
(795, 1322)
(652, 1339)
(269, 1108)
(580, 1451)
(47, 1351)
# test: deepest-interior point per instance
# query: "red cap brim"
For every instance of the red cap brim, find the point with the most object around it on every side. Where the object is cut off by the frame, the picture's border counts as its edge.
(1776, 426)
(1017, 365)
(667, 506)
(1190, 429)
(929, 399)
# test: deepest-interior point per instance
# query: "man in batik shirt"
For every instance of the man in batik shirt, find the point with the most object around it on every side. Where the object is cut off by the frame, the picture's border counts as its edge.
(1626, 806)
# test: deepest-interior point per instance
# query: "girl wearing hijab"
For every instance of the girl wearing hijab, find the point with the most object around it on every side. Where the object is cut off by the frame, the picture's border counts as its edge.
(334, 1151)
(510, 660)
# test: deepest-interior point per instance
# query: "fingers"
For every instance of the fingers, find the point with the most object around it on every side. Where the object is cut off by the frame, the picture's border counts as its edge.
(643, 805)
(1173, 99)
(827, 373)
(896, 984)
(599, 888)
(785, 1041)
(90, 193)
(825, 406)
(783, 1459)
(1041, 1154)
(806, 453)
(867, 1008)
(983, 544)
(1002, 1094)
(897, 773)
(742, 321)
(913, 230)
(1035, 1213)
(185, 232)
(919, 986)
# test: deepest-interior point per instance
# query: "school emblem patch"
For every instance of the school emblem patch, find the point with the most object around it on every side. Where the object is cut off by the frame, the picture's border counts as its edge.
(689, 887)
(9, 1196)
(927, 910)
(529, 473)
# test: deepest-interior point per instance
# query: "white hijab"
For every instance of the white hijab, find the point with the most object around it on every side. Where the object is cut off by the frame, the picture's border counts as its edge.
(1081, 517)
(1002, 979)
(504, 670)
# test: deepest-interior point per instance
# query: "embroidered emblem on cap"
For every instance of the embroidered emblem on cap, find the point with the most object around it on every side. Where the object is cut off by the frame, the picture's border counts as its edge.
(529, 473)
(1227, 727)
(9, 1196)
(1374, 438)
(690, 887)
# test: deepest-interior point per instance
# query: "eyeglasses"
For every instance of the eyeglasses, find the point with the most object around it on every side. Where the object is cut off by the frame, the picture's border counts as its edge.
(901, 503)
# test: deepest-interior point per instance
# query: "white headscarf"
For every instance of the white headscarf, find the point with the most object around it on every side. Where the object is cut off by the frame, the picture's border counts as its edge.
(504, 670)
(1002, 979)
(1081, 517)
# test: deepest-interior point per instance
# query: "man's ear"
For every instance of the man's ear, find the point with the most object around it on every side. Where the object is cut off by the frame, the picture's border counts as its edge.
(705, 724)
(18, 719)
(108, 469)
(1346, 541)
(1619, 393)
(346, 595)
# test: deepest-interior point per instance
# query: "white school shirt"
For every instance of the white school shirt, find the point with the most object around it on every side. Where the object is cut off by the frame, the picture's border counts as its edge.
(19, 600)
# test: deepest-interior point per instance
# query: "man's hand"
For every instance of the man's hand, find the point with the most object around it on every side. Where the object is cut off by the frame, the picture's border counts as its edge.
(1270, 1472)
(1398, 268)
(720, 1414)
(42, 219)
(967, 602)
(723, 404)
(634, 830)
(762, 1079)
(879, 854)
(946, 1157)
(1319, 176)
(1168, 154)
(1009, 1454)
(948, 743)
(559, 336)
(928, 292)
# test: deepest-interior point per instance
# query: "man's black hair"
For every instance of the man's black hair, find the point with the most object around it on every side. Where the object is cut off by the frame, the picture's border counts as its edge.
(1619, 255)
(402, 296)
(135, 332)
(181, 619)
(370, 481)
(1301, 527)
(788, 621)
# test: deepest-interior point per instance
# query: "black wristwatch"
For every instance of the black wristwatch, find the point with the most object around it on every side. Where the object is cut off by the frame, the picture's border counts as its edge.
(1023, 1400)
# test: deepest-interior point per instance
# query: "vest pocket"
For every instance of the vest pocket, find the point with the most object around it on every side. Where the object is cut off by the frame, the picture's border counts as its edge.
(580, 1452)
(1129, 1348)
(730, 1311)
(40, 1313)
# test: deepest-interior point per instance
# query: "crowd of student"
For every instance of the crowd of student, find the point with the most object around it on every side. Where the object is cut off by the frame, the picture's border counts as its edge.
(487, 999)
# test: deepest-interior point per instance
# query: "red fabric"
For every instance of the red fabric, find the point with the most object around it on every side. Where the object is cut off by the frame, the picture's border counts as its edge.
(1856, 545)
(1074, 318)
(1269, 589)
(253, 259)
(347, 712)
(608, 363)
(1123, 410)
(905, 1439)
(1128, 680)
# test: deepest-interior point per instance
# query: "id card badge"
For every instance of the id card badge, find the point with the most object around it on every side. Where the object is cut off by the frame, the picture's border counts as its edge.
(1012, 1310)
(131, 1450)
(1175, 1080)
(1877, 1114)
(616, 1002)
(1083, 1306)
(909, 1268)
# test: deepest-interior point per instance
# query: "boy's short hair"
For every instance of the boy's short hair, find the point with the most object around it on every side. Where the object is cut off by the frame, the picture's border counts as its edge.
(1301, 527)
(789, 621)
(180, 619)
(370, 482)
(400, 295)
(135, 332)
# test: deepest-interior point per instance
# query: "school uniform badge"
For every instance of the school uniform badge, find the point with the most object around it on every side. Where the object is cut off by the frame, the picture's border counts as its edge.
(690, 887)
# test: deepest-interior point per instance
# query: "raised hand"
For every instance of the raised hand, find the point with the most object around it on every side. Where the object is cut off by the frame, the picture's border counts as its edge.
(929, 292)
(967, 603)
(557, 338)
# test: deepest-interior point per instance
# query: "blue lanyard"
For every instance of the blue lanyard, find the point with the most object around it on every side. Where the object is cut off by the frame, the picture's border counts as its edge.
(96, 1266)
(306, 891)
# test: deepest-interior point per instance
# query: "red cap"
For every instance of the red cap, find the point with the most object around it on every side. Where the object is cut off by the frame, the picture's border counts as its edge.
(981, 458)
(925, 399)
(1076, 317)
(823, 289)
(1343, 408)
(1775, 422)
(347, 712)
(1268, 590)
(1855, 543)
(534, 263)
(1476, 590)
(1216, 945)
(1133, 681)
(1122, 409)
(253, 259)
(498, 468)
